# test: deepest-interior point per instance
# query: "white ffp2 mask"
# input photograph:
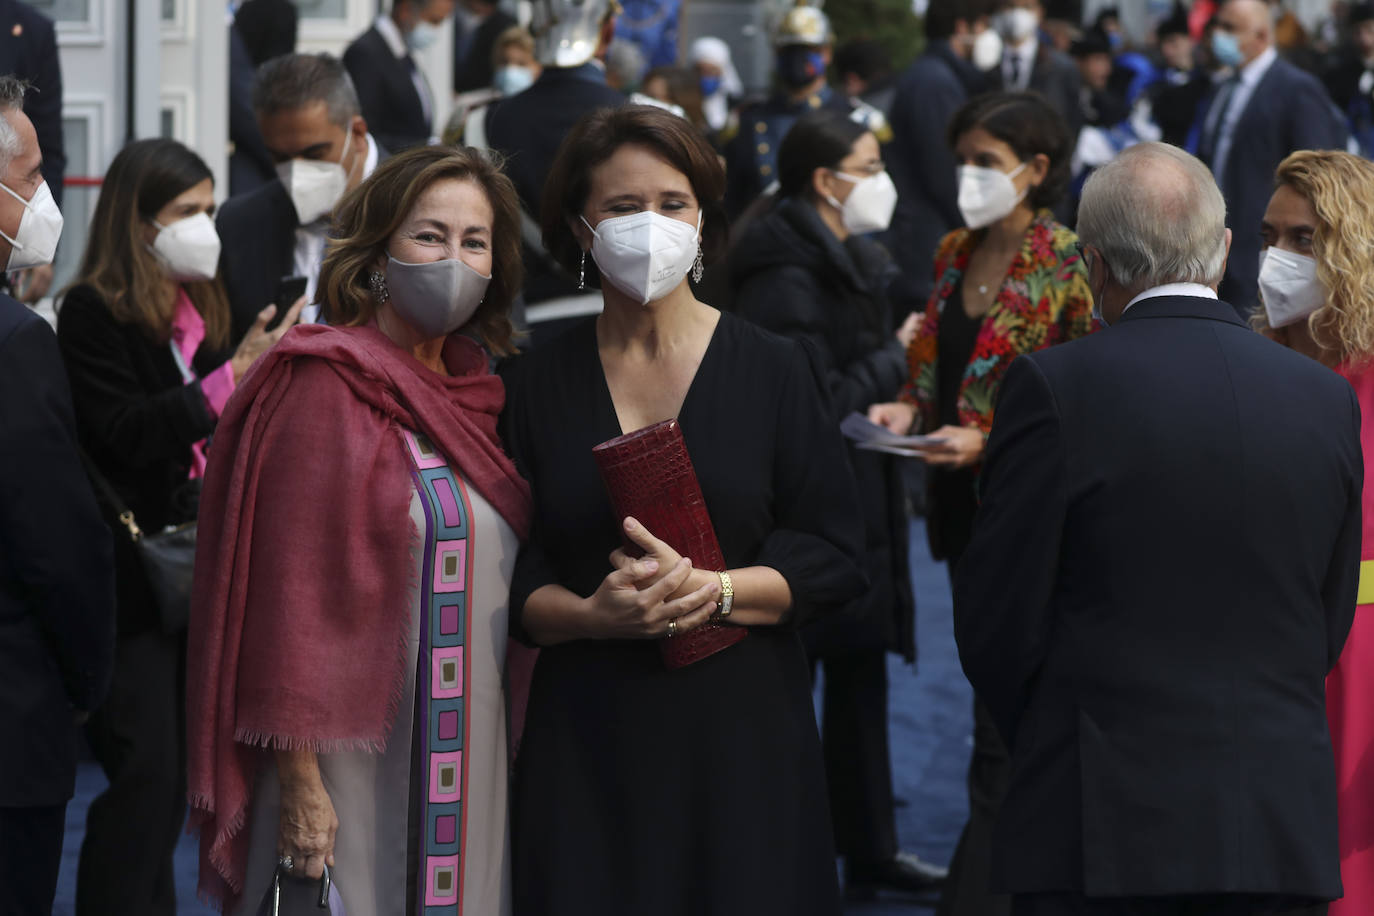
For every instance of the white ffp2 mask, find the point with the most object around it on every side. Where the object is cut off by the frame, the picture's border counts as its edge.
(645, 255)
(986, 195)
(987, 50)
(868, 208)
(1289, 286)
(35, 241)
(189, 247)
(315, 186)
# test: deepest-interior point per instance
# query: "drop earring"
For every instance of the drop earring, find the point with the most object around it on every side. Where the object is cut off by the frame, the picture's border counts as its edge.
(697, 266)
(582, 272)
(377, 283)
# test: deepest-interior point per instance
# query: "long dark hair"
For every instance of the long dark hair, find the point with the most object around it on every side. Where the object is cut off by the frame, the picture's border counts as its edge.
(143, 178)
(819, 140)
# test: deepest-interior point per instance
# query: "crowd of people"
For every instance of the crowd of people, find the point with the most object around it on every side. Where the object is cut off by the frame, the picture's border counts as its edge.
(302, 520)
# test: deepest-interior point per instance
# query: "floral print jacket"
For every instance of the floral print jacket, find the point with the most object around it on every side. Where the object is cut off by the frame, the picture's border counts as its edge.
(1044, 300)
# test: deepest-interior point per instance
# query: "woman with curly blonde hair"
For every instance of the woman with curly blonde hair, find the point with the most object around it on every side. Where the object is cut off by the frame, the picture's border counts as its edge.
(1316, 281)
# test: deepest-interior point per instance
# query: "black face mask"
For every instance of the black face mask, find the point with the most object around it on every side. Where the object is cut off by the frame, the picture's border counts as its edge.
(800, 65)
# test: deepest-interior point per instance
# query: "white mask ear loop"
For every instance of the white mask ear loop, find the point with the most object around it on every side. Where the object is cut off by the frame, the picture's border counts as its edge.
(27, 206)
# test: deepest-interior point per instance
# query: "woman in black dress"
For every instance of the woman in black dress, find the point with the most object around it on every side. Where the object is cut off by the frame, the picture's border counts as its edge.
(640, 789)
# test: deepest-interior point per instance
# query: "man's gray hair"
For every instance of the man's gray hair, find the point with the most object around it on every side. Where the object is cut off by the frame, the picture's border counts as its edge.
(294, 81)
(1156, 215)
(11, 99)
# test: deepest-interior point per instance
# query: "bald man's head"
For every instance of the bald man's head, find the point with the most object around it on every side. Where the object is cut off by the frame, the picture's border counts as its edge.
(1252, 24)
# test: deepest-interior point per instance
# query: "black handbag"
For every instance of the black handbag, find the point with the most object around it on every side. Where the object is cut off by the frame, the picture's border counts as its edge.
(327, 899)
(168, 557)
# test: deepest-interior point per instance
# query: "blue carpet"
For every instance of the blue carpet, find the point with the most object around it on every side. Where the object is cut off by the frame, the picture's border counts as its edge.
(931, 732)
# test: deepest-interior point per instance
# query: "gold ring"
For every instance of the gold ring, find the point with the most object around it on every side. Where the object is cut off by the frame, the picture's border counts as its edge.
(672, 628)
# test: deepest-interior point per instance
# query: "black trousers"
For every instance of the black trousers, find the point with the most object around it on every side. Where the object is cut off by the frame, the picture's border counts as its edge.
(1197, 905)
(966, 892)
(858, 767)
(30, 856)
(138, 736)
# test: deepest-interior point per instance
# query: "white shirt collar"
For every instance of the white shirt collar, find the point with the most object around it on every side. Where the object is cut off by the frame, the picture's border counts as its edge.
(391, 34)
(1196, 290)
(1253, 72)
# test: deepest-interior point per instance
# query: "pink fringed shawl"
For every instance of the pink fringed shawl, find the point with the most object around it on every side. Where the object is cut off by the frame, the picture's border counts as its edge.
(303, 569)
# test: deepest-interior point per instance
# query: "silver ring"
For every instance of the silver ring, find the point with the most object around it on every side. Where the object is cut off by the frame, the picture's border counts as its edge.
(286, 863)
(672, 628)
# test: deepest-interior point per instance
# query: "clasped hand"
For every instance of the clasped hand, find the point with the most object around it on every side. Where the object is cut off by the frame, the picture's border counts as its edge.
(640, 596)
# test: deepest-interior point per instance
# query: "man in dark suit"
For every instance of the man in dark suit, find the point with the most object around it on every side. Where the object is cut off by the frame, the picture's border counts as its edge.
(570, 40)
(28, 51)
(1162, 572)
(1031, 63)
(1266, 110)
(57, 622)
(308, 116)
(919, 159)
(396, 99)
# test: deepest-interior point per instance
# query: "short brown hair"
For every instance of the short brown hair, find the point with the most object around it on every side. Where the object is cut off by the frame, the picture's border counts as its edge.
(596, 138)
(369, 216)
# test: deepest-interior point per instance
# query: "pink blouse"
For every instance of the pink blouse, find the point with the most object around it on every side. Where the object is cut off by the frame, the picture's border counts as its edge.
(188, 331)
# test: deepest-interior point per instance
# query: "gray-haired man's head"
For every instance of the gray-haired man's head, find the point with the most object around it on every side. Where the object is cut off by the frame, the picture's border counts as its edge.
(1152, 216)
(21, 163)
(11, 100)
(307, 108)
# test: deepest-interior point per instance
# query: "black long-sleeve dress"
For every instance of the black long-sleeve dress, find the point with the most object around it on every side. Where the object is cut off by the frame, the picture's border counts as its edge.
(640, 789)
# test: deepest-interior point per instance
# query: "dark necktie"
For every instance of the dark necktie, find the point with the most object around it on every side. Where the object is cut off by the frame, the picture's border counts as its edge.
(1216, 121)
(1015, 70)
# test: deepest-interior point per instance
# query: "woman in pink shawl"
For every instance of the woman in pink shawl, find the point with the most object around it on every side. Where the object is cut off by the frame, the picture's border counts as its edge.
(1317, 285)
(359, 524)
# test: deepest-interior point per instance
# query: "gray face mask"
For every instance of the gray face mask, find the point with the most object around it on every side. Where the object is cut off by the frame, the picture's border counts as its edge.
(438, 297)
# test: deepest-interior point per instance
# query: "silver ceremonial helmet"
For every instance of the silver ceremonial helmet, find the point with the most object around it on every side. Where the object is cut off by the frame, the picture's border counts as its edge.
(566, 32)
(803, 24)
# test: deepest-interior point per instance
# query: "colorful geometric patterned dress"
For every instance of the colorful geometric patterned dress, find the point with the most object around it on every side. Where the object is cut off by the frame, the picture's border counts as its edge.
(423, 829)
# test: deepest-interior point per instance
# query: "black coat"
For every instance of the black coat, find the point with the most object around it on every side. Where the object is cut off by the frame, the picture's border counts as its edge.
(56, 571)
(257, 234)
(28, 50)
(1162, 572)
(390, 103)
(137, 421)
(528, 129)
(794, 277)
(922, 165)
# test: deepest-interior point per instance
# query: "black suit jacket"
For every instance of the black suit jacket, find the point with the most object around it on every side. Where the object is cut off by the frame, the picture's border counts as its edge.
(137, 421)
(1162, 572)
(390, 102)
(923, 168)
(250, 165)
(56, 570)
(528, 129)
(1056, 77)
(257, 233)
(28, 50)
(1289, 110)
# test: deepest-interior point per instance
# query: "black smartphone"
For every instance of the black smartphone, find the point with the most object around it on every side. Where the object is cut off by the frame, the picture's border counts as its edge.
(291, 289)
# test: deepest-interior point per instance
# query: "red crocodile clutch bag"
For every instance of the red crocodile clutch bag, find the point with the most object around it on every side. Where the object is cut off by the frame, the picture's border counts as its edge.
(649, 475)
